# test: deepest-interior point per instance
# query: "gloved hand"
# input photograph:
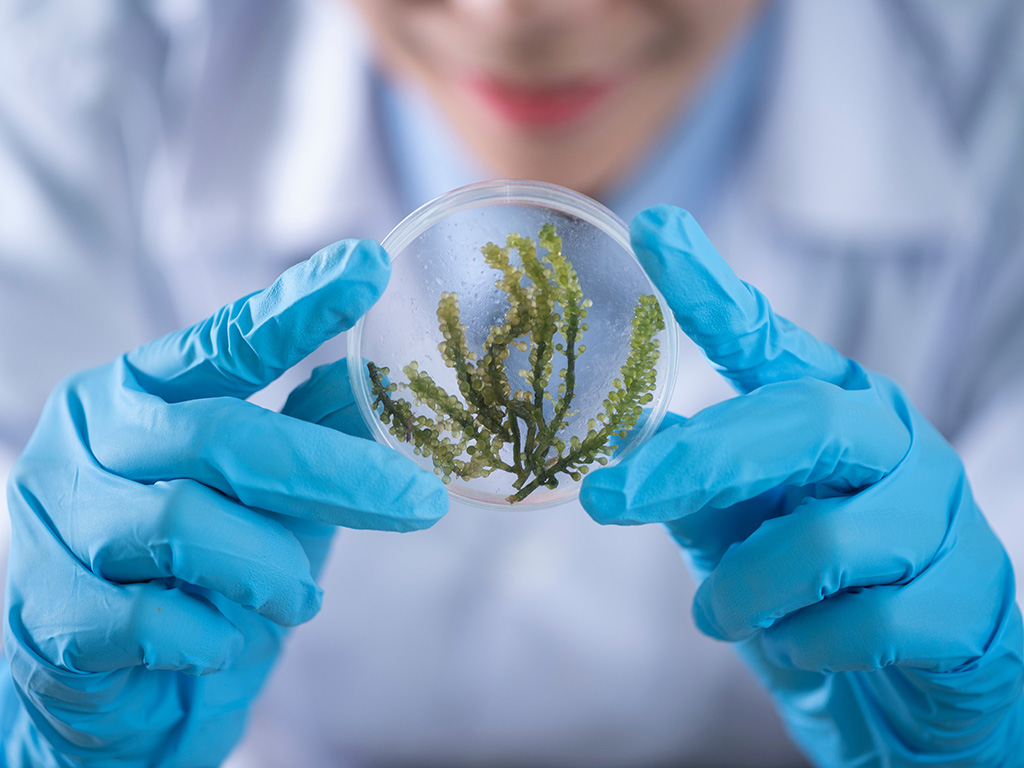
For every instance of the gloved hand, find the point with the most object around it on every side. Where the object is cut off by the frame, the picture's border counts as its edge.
(166, 532)
(834, 530)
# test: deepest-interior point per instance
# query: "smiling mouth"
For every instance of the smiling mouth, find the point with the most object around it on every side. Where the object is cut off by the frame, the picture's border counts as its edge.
(539, 106)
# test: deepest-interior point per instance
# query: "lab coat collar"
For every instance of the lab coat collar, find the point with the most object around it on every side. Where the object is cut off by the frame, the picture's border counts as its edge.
(850, 147)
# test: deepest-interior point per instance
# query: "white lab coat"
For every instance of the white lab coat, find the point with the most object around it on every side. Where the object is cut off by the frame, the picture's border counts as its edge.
(160, 159)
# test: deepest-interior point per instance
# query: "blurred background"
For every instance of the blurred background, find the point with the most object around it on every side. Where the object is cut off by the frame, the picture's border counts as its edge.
(862, 163)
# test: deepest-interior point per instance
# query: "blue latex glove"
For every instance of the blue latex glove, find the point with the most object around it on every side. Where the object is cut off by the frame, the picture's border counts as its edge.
(164, 528)
(834, 530)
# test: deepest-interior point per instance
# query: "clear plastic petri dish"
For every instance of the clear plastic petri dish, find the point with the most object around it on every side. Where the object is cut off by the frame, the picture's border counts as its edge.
(437, 252)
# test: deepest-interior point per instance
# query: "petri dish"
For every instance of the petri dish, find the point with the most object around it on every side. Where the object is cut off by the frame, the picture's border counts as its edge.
(436, 251)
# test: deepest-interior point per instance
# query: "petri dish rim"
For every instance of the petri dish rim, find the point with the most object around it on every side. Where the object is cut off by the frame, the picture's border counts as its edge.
(527, 193)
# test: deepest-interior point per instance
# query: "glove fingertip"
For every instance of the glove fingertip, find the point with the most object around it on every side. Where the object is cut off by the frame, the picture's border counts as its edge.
(429, 505)
(653, 227)
(703, 616)
(357, 271)
(406, 498)
(230, 649)
(175, 630)
(311, 598)
(657, 217)
(602, 500)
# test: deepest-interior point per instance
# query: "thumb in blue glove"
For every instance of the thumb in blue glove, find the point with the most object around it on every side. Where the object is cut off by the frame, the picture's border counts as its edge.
(834, 530)
(166, 531)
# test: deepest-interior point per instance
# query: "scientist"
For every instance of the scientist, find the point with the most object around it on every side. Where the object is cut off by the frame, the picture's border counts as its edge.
(861, 163)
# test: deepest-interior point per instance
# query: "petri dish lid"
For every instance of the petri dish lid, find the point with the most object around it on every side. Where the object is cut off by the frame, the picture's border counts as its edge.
(437, 250)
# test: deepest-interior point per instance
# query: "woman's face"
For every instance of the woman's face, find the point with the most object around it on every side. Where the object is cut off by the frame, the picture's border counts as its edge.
(567, 91)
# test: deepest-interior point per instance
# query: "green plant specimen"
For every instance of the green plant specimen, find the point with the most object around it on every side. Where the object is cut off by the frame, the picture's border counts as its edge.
(493, 426)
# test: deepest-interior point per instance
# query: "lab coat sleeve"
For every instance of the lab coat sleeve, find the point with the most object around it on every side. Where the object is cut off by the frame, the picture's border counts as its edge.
(991, 438)
(976, 72)
(88, 95)
(78, 124)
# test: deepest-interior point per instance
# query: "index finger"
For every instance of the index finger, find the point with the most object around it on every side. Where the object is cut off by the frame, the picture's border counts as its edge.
(265, 460)
(729, 319)
(738, 449)
(247, 344)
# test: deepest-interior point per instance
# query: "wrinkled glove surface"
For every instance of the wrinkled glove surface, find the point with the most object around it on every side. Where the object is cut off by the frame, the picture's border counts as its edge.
(165, 532)
(834, 532)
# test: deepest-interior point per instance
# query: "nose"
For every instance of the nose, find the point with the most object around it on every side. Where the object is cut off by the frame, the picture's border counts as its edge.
(529, 13)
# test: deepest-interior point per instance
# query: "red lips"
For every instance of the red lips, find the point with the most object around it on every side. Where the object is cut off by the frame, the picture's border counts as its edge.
(539, 106)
